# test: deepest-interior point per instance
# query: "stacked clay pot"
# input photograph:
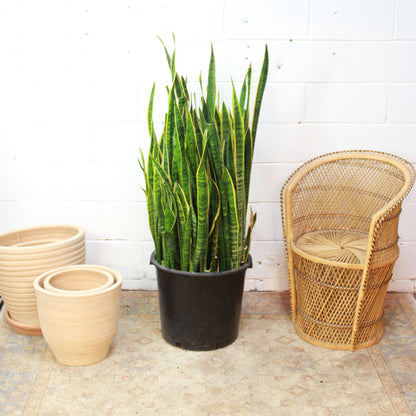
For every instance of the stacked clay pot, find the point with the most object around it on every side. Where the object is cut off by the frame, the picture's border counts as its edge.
(78, 311)
(24, 255)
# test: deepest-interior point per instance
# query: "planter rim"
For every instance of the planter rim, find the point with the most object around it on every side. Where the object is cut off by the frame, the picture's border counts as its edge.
(78, 233)
(117, 282)
(110, 280)
(30, 258)
(205, 275)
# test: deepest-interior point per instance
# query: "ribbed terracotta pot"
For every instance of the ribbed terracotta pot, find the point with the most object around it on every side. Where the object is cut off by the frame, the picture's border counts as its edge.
(79, 327)
(24, 255)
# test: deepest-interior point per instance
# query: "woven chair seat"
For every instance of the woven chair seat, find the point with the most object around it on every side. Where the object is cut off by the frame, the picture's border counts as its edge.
(335, 245)
(340, 215)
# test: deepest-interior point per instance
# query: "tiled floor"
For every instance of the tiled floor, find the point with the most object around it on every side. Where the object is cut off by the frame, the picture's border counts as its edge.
(269, 370)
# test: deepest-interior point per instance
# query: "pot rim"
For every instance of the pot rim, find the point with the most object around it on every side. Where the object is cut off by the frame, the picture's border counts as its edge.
(79, 233)
(117, 282)
(212, 275)
(41, 256)
(110, 280)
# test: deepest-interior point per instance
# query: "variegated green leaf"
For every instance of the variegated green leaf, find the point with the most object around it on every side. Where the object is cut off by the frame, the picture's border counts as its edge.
(259, 94)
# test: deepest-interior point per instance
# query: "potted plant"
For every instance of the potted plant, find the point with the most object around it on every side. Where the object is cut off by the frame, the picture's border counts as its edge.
(197, 185)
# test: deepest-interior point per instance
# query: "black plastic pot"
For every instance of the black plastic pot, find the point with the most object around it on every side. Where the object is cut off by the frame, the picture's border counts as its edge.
(200, 311)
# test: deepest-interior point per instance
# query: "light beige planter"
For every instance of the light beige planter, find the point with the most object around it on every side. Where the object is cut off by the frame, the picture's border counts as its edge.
(76, 281)
(29, 240)
(79, 328)
(27, 253)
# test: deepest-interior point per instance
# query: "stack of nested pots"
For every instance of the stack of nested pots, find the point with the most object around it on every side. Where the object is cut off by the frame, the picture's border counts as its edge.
(24, 255)
(78, 311)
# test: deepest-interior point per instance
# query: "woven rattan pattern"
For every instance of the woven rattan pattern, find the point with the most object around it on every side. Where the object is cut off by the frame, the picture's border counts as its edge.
(340, 216)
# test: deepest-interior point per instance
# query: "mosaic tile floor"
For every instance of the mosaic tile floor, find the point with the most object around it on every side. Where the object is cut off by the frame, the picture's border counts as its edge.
(269, 370)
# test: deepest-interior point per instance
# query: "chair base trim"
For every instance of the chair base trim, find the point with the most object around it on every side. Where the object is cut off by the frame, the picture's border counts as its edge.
(339, 347)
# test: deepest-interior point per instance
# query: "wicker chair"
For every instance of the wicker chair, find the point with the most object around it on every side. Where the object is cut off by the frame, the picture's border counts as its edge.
(340, 215)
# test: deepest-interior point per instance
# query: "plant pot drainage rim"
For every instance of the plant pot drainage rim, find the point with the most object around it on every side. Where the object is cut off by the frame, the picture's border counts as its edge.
(23, 328)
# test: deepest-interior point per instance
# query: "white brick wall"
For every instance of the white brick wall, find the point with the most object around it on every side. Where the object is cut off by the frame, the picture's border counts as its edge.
(75, 79)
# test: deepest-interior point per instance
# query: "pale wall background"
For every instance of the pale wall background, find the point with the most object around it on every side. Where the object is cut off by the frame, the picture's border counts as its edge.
(75, 78)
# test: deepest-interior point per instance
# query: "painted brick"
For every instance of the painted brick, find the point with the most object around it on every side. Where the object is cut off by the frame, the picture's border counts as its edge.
(391, 138)
(294, 143)
(123, 221)
(300, 61)
(400, 285)
(402, 102)
(407, 230)
(404, 266)
(354, 19)
(81, 142)
(269, 261)
(184, 18)
(405, 20)
(65, 181)
(265, 285)
(69, 98)
(126, 257)
(268, 190)
(266, 19)
(352, 103)
(289, 61)
(283, 103)
(269, 224)
(384, 62)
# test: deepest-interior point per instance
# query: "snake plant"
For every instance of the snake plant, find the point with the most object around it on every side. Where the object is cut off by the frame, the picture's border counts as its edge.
(198, 174)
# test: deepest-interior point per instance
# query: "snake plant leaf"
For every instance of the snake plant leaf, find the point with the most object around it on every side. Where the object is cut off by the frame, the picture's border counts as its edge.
(157, 210)
(213, 266)
(192, 150)
(233, 231)
(166, 53)
(159, 169)
(202, 214)
(247, 109)
(259, 94)
(142, 164)
(239, 156)
(248, 159)
(184, 226)
(170, 125)
(252, 221)
(150, 123)
(226, 139)
(177, 160)
(243, 93)
(211, 88)
(215, 151)
(180, 125)
(215, 205)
